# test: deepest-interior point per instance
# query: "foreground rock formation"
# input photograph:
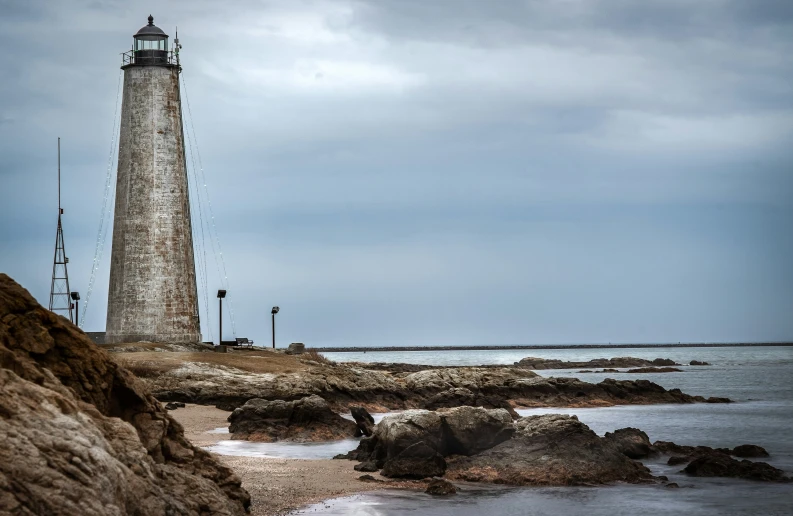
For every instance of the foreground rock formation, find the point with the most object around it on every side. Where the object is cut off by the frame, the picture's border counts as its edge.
(81, 435)
(305, 420)
(480, 445)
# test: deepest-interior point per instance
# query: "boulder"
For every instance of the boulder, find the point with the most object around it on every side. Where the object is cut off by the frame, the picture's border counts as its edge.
(305, 420)
(721, 465)
(632, 442)
(697, 363)
(749, 451)
(551, 449)
(714, 399)
(417, 461)
(470, 430)
(363, 420)
(296, 348)
(440, 487)
(82, 435)
(397, 432)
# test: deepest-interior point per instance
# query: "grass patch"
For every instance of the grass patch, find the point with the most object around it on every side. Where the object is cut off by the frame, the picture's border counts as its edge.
(146, 368)
(316, 356)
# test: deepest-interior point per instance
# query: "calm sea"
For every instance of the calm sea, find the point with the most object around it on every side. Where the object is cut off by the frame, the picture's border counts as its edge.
(760, 379)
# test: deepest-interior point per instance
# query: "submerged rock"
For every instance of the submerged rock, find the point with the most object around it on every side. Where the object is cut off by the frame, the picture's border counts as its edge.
(655, 370)
(82, 435)
(304, 420)
(552, 449)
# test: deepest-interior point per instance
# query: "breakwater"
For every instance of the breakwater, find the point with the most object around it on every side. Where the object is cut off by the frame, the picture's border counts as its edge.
(359, 349)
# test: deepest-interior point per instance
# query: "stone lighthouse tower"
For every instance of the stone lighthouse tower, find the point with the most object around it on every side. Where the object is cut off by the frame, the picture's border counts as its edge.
(152, 295)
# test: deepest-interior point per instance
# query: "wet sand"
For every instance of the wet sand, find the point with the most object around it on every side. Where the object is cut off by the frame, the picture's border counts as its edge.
(277, 485)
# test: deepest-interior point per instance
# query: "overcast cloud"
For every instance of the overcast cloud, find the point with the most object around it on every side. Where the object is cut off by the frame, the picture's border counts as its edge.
(438, 172)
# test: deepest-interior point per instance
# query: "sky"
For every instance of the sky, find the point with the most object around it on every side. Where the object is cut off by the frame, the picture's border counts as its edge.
(433, 171)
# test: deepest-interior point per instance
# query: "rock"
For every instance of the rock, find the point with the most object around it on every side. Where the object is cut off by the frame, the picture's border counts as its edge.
(363, 420)
(296, 348)
(672, 485)
(721, 465)
(368, 478)
(305, 420)
(685, 454)
(542, 363)
(417, 461)
(172, 406)
(179, 404)
(698, 363)
(82, 435)
(460, 396)
(470, 430)
(749, 451)
(664, 362)
(718, 400)
(397, 432)
(366, 466)
(655, 370)
(552, 449)
(440, 487)
(632, 442)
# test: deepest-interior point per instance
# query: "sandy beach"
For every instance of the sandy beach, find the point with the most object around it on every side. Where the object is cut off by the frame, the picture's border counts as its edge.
(277, 486)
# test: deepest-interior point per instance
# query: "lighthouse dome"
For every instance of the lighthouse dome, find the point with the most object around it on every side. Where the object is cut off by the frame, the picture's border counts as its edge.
(150, 31)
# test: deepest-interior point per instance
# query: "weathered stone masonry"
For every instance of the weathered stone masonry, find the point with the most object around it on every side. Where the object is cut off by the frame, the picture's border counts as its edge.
(152, 293)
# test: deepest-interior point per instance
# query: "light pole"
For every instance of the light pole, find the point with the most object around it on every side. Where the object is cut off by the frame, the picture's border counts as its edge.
(274, 311)
(76, 299)
(221, 295)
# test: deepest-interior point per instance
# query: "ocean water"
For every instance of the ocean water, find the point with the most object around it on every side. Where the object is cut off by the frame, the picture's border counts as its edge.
(760, 379)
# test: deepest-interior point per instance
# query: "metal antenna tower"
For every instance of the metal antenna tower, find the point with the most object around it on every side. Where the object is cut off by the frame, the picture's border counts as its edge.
(59, 290)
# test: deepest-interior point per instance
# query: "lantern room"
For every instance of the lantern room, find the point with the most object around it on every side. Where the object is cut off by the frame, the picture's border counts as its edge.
(151, 45)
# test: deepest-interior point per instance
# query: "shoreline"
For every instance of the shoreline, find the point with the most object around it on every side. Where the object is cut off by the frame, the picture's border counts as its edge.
(279, 486)
(367, 349)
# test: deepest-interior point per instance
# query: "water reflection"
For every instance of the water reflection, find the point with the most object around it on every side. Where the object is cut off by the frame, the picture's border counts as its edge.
(286, 450)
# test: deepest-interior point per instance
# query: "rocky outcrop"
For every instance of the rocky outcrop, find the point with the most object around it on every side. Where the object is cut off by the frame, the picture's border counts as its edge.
(655, 370)
(632, 442)
(722, 465)
(82, 435)
(698, 363)
(305, 420)
(619, 362)
(551, 449)
(684, 454)
(363, 420)
(460, 430)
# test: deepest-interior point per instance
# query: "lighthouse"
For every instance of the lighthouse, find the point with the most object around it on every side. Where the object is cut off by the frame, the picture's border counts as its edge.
(152, 295)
